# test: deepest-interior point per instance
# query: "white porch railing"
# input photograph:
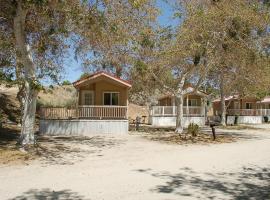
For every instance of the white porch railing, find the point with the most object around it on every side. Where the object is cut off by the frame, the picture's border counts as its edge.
(107, 112)
(86, 112)
(172, 110)
(249, 112)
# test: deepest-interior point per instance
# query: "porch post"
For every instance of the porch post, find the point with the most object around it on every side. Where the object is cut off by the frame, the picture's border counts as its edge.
(77, 103)
(127, 110)
(261, 109)
(173, 104)
(187, 108)
(204, 108)
(162, 110)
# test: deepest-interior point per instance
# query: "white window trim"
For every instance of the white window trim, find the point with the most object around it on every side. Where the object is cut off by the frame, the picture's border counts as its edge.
(83, 96)
(112, 92)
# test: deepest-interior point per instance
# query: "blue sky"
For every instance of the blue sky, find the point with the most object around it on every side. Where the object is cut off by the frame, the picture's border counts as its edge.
(73, 68)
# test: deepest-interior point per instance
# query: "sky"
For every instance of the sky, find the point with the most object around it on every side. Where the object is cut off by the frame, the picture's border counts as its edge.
(73, 68)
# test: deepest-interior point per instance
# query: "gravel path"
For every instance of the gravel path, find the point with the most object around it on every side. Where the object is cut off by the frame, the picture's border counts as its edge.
(131, 167)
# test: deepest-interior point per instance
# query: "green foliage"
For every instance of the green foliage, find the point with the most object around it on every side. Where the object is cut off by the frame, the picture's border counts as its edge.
(36, 85)
(66, 82)
(140, 66)
(84, 75)
(6, 77)
(146, 41)
(193, 129)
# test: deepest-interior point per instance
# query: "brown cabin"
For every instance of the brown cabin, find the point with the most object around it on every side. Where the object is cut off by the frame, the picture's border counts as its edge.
(102, 89)
(247, 106)
(99, 96)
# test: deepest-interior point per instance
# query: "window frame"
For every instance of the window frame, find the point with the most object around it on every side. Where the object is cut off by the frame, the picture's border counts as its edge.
(193, 100)
(83, 97)
(111, 92)
(250, 105)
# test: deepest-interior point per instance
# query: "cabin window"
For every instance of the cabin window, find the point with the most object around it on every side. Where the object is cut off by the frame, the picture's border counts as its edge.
(236, 105)
(193, 102)
(248, 105)
(111, 98)
(88, 97)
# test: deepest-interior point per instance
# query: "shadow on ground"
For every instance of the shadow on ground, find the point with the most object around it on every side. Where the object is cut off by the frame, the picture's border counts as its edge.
(53, 150)
(8, 136)
(249, 183)
(69, 150)
(49, 194)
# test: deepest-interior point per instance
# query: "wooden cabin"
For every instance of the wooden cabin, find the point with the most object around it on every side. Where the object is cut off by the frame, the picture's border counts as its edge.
(249, 110)
(164, 113)
(102, 107)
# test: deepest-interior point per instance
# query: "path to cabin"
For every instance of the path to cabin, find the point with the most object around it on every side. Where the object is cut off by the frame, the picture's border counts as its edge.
(131, 167)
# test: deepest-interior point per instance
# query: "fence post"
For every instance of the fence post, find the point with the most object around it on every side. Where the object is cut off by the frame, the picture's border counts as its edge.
(162, 110)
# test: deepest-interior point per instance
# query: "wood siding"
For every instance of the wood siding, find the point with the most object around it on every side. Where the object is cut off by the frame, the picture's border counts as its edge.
(102, 86)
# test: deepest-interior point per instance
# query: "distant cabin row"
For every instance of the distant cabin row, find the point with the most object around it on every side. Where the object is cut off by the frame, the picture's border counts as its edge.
(102, 108)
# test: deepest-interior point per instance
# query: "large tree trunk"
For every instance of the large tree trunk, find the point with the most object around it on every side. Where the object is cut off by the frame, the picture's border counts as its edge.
(179, 114)
(29, 93)
(222, 102)
(179, 99)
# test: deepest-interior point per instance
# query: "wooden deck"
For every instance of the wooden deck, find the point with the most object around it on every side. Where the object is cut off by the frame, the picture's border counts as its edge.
(249, 112)
(85, 112)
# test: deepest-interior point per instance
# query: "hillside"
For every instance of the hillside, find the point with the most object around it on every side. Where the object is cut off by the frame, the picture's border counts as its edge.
(57, 96)
(9, 104)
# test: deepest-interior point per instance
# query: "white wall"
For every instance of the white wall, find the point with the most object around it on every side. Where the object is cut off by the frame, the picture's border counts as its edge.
(162, 121)
(83, 127)
(245, 119)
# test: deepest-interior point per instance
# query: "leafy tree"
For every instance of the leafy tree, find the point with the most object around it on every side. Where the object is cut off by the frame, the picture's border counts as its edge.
(232, 32)
(36, 35)
(217, 39)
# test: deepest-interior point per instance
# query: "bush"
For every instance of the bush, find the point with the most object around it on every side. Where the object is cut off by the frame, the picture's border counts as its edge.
(66, 82)
(193, 129)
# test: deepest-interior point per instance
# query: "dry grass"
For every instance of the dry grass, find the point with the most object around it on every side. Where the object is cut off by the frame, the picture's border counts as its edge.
(238, 127)
(9, 152)
(201, 138)
(58, 96)
(167, 135)
(51, 150)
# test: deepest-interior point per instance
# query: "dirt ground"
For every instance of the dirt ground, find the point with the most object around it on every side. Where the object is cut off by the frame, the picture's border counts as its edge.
(136, 167)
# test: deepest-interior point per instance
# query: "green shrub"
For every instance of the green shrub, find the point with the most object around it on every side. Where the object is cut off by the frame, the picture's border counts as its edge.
(193, 129)
(66, 82)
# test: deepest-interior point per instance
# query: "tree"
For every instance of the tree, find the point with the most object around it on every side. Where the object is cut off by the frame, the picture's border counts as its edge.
(37, 34)
(126, 22)
(169, 61)
(216, 38)
(230, 30)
